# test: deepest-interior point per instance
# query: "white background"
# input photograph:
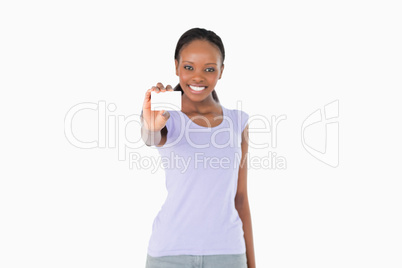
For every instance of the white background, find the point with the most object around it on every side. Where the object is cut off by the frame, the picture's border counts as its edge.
(64, 206)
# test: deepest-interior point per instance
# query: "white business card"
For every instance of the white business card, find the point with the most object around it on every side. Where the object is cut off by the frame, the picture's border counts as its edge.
(168, 100)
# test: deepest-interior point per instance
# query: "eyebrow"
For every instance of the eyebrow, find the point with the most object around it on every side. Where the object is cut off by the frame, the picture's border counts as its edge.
(205, 63)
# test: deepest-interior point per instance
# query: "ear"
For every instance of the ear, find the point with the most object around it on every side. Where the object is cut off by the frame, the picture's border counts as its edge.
(222, 67)
(176, 63)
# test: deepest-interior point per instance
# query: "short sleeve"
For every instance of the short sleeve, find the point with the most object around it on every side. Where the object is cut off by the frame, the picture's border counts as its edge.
(173, 129)
(244, 120)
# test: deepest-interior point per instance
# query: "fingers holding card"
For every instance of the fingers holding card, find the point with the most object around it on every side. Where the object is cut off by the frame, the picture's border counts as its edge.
(168, 100)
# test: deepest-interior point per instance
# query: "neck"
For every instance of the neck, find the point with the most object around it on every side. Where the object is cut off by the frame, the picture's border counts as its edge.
(202, 107)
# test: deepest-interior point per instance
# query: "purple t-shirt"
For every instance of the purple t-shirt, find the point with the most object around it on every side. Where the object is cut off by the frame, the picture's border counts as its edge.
(201, 165)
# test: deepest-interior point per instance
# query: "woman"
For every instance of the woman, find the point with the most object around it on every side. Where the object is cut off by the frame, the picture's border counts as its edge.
(205, 220)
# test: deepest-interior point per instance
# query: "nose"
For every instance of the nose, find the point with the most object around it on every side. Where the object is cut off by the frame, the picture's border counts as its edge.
(198, 78)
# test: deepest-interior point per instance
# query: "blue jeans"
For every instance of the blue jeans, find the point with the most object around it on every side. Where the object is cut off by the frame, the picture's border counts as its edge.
(198, 261)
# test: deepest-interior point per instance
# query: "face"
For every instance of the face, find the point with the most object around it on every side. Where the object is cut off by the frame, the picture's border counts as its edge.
(199, 69)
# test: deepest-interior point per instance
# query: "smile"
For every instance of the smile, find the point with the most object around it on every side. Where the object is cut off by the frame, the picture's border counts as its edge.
(195, 88)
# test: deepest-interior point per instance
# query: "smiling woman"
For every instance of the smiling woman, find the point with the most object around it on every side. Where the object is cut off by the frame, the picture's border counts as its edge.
(205, 220)
(204, 58)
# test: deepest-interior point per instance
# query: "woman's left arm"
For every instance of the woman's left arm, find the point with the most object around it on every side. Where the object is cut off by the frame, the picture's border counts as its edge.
(241, 202)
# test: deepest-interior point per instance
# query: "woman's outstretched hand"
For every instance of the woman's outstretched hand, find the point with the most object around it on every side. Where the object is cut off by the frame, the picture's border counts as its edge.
(154, 120)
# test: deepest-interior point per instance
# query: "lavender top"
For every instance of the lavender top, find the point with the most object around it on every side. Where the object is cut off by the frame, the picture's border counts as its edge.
(201, 165)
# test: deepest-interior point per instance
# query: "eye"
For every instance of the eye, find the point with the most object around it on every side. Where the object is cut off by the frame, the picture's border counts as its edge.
(188, 67)
(210, 69)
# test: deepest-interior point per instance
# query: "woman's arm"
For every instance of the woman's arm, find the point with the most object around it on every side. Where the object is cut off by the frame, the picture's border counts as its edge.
(150, 138)
(241, 202)
(153, 123)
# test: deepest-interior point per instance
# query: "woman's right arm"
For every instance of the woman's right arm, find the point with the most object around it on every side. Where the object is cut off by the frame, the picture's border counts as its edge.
(153, 129)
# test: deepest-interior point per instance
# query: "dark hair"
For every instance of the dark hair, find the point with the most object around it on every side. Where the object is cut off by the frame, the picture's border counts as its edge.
(198, 34)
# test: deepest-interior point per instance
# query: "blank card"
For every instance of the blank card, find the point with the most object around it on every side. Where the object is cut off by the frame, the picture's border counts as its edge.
(168, 100)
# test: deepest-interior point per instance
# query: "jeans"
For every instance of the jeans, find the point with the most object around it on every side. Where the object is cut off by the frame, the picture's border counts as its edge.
(198, 261)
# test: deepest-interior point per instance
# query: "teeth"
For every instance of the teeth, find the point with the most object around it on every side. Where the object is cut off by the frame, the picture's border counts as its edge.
(197, 88)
